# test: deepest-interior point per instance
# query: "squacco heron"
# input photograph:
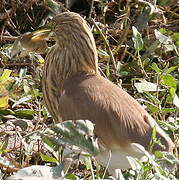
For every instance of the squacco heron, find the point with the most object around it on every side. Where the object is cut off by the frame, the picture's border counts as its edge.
(73, 89)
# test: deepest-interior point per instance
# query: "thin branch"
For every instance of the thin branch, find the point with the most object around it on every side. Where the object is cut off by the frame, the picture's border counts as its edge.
(91, 8)
(106, 43)
(8, 38)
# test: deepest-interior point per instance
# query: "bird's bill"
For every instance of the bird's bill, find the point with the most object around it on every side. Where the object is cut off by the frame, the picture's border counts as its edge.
(41, 34)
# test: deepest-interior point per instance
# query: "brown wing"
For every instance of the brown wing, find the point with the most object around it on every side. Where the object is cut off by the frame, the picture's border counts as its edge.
(118, 118)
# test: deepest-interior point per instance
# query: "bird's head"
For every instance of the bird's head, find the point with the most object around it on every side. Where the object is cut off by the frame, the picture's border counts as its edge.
(68, 29)
(75, 45)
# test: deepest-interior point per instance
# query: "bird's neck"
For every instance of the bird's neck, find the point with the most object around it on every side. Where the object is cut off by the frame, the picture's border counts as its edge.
(71, 61)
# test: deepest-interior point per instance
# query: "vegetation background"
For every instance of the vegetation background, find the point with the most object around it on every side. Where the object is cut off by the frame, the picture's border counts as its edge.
(138, 48)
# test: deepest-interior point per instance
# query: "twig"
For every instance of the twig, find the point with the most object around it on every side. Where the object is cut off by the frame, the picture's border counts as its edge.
(8, 38)
(106, 43)
(16, 64)
(124, 36)
(170, 59)
(91, 8)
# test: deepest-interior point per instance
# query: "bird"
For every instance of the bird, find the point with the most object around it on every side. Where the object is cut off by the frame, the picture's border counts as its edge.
(73, 88)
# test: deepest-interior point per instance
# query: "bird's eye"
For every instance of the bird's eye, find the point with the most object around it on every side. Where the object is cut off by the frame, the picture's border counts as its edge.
(52, 24)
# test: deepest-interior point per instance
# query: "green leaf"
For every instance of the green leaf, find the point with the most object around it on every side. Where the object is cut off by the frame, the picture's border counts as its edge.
(135, 163)
(37, 172)
(153, 140)
(163, 30)
(175, 36)
(172, 92)
(107, 70)
(71, 177)
(118, 67)
(152, 98)
(156, 68)
(169, 70)
(171, 126)
(168, 110)
(78, 133)
(25, 113)
(5, 75)
(137, 39)
(87, 163)
(22, 100)
(153, 108)
(170, 158)
(158, 154)
(102, 53)
(177, 43)
(51, 142)
(6, 112)
(146, 86)
(168, 80)
(22, 72)
(162, 38)
(169, 99)
(48, 158)
(4, 101)
(4, 145)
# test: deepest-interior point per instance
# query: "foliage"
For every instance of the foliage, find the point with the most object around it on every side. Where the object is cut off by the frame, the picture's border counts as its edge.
(138, 48)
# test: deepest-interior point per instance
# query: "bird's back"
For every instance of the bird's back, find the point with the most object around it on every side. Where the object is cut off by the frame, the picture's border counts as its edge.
(119, 119)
